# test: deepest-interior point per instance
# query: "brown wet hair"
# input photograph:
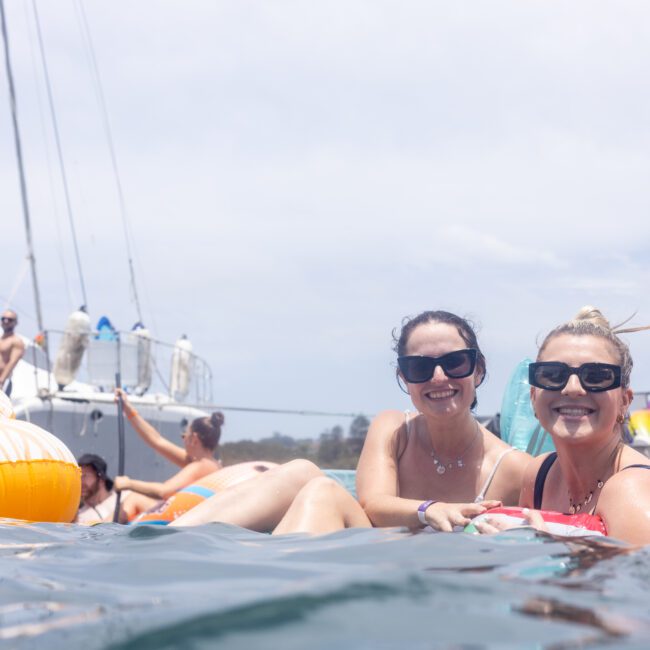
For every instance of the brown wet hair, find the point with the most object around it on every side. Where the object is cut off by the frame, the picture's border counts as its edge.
(208, 429)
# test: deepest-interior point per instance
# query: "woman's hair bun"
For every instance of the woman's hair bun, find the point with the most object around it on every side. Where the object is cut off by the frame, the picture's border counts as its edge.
(217, 419)
(592, 315)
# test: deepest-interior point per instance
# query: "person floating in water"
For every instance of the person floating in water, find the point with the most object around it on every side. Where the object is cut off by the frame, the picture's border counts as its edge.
(580, 392)
(435, 467)
(12, 349)
(98, 497)
(196, 457)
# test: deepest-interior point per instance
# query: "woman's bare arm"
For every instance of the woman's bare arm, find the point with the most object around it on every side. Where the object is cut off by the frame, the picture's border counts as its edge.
(173, 453)
(188, 475)
(377, 483)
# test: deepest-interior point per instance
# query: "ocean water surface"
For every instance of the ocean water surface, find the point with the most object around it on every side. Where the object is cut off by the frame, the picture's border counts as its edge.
(110, 586)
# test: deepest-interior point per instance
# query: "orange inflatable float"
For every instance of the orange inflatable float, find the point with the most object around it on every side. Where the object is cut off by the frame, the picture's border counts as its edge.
(39, 477)
(178, 504)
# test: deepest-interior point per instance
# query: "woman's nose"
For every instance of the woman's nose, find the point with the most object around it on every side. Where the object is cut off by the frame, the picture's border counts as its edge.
(438, 374)
(573, 386)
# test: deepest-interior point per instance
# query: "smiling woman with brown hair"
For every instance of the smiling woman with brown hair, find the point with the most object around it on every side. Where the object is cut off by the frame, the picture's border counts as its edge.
(436, 467)
(440, 453)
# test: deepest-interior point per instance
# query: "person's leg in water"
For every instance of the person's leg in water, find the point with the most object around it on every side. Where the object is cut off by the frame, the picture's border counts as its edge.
(136, 503)
(258, 504)
(322, 506)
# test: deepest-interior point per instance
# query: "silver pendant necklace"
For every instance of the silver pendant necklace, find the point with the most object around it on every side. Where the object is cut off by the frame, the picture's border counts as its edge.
(442, 466)
(575, 508)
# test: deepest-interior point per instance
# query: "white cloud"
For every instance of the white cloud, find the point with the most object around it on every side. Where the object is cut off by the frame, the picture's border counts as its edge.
(299, 177)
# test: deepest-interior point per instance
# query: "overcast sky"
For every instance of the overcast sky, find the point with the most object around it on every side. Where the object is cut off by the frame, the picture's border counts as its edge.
(300, 176)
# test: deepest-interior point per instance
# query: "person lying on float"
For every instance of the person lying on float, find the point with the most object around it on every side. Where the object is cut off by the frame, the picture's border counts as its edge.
(197, 458)
(435, 468)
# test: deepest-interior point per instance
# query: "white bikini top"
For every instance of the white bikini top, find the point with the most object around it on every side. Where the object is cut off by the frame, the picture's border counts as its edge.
(481, 495)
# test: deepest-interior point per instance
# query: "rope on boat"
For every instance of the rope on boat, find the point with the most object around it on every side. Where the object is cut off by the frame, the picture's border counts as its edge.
(59, 151)
(101, 100)
(252, 409)
(53, 202)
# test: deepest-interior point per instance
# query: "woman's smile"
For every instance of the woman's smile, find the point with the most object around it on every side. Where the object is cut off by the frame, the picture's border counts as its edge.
(573, 412)
(440, 394)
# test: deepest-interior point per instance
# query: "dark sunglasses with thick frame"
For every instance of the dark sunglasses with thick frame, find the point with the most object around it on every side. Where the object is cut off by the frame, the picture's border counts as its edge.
(593, 377)
(455, 365)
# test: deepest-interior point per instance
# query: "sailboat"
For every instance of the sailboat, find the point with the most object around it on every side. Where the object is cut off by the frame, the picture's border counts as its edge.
(66, 379)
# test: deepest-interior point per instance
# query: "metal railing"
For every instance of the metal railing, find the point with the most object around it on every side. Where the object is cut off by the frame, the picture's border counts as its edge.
(145, 365)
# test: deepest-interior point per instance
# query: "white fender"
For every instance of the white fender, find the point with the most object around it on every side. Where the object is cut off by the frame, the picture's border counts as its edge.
(143, 338)
(181, 375)
(72, 348)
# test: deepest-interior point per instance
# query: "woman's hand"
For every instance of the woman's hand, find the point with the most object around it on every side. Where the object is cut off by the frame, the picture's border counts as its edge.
(498, 523)
(444, 516)
(129, 411)
(121, 483)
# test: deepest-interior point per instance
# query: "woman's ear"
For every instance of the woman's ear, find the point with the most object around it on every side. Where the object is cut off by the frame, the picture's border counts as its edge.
(628, 396)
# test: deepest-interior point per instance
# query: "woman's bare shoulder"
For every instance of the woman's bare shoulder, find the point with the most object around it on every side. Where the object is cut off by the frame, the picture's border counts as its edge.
(630, 456)
(205, 466)
(384, 436)
(513, 459)
(628, 480)
(517, 461)
(624, 504)
(389, 417)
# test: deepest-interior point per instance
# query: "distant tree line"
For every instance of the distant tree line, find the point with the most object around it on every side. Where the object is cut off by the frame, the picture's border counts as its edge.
(333, 449)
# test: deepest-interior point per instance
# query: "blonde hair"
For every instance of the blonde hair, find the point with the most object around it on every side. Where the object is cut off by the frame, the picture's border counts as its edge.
(590, 321)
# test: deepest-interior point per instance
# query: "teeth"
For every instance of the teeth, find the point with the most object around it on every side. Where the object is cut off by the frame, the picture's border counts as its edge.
(441, 394)
(563, 410)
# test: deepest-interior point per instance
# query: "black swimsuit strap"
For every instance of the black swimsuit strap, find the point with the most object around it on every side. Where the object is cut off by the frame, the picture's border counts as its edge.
(544, 469)
(540, 479)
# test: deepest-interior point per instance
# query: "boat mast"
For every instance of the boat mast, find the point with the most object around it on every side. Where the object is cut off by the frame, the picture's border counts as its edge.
(21, 171)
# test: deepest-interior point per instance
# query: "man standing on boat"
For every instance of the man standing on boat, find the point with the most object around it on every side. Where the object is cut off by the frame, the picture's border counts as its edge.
(12, 348)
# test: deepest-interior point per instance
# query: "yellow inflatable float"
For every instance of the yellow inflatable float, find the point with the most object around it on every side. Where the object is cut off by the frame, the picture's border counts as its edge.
(39, 477)
(640, 424)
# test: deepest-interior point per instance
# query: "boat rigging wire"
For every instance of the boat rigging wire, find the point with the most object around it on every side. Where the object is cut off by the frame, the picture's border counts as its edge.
(72, 301)
(21, 168)
(22, 272)
(57, 139)
(111, 146)
(251, 409)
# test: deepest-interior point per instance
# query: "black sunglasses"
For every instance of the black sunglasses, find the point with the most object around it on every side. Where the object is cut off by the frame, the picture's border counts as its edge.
(5, 319)
(456, 365)
(594, 377)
